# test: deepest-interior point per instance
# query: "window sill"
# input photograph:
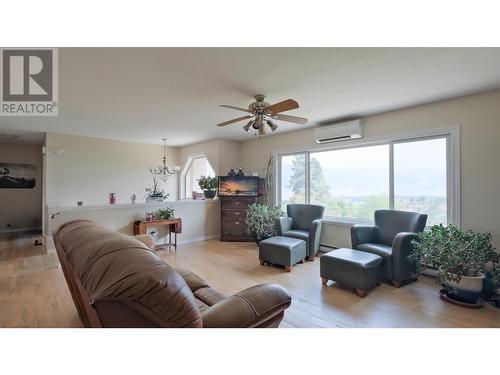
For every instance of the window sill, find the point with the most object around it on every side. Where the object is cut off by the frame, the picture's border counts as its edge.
(142, 205)
(345, 222)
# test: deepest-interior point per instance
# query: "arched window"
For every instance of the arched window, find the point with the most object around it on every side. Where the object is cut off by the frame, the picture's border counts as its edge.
(196, 167)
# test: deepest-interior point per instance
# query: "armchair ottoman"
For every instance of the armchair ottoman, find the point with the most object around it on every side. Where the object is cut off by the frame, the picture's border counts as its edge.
(284, 251)
(353, 268)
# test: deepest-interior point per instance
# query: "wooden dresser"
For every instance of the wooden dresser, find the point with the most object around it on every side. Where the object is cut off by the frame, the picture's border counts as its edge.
(233, 213)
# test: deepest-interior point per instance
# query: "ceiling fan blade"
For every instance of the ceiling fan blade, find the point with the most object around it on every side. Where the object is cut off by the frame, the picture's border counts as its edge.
(234, 120)
(285, 105)
(288, 118)
(236, 108)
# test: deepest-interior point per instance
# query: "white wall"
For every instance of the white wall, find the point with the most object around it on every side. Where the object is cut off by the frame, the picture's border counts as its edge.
(479, 120)
(21, 208)
(88, 169)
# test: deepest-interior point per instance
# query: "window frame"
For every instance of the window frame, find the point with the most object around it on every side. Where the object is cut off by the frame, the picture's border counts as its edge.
(185, 171)
(451, 134)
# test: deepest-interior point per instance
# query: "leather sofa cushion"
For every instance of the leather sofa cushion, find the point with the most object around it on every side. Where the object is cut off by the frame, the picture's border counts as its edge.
(117, 267)
(382, 250)
(300, 234)
(201, 290)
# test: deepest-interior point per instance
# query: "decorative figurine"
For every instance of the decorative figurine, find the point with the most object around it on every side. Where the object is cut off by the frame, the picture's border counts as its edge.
(133, 197)
(112, 198)
(240, 173)
(231, 173)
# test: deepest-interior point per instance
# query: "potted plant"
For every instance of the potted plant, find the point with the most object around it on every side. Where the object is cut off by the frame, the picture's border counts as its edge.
(261, 220)
(208, 185)
(461, 258)
(165, 213)
(156, 194)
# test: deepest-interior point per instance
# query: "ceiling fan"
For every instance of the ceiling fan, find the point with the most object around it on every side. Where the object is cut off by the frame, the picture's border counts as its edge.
(262, 113)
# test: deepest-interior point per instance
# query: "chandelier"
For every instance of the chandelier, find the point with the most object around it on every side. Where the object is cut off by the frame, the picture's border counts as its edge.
(164, 170)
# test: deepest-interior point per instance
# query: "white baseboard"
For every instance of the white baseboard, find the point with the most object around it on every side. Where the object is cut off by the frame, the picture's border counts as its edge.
(14, 230)
(197, 239)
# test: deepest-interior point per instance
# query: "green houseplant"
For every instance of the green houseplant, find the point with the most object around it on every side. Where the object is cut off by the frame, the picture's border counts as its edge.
(461, 257)
(156, 194)
(261, 220)
(165, 213)
(208, 185)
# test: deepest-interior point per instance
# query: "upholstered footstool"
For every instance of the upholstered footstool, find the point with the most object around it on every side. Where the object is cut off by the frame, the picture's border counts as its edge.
(285, 251)
(353, 268)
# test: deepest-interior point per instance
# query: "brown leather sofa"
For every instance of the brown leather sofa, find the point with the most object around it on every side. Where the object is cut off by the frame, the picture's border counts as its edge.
(117, 281)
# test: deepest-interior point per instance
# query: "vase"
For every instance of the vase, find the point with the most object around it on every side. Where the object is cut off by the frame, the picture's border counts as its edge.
(469, 287)
(209, 194)
(154, 199)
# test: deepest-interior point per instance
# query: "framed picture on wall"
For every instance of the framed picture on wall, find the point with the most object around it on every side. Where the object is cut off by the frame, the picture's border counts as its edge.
(17, 176)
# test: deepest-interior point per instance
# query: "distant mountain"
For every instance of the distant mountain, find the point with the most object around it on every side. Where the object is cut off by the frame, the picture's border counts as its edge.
(7, 182)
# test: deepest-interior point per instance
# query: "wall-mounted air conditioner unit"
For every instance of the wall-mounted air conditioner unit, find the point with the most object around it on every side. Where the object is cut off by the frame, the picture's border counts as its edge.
(339, 132)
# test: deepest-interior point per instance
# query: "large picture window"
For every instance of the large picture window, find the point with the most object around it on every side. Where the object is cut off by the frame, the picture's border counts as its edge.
(350, 183)
(353, 182)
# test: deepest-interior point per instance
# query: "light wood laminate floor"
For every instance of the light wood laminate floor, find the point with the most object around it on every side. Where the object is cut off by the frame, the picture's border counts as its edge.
(33, 292)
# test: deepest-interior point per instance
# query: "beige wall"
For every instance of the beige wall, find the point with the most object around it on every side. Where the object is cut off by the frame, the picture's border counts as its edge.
(221, 153)
(88, 169)
(199, 218)
(479, 120)
(21, 208)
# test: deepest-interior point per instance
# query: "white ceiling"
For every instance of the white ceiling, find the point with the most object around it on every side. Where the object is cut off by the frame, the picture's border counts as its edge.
(145, 94)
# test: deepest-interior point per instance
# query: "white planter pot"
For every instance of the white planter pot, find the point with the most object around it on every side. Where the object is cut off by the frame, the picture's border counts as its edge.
(468, 284)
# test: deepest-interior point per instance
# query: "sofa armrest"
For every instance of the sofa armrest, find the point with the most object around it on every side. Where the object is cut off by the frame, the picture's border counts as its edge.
(361, 233)
(401, 248)
(249, 308)
(315, 236)
(283, 224)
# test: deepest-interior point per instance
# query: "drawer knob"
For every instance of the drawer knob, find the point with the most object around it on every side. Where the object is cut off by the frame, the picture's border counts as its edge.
(237, 222)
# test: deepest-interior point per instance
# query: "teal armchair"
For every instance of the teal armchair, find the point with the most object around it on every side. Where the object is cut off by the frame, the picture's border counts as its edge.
(303, 221)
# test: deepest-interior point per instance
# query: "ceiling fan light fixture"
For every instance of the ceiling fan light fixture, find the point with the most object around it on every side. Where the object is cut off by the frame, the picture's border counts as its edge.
(248, 125)
(272, 125)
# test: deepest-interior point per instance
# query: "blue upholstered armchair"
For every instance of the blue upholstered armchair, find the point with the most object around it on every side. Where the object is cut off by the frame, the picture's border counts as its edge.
(304, 222)
(390, 238)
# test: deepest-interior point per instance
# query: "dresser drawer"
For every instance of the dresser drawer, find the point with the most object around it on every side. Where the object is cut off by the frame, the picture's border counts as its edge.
(234, 214)
(240, 203)
(234, 227)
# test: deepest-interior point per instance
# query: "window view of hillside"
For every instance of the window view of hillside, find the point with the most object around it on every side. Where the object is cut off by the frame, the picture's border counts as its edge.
(353, 183)
(420, 178)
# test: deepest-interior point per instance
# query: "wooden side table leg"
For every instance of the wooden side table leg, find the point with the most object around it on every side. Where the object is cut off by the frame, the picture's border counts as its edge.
(324, 280)
(288, 268)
